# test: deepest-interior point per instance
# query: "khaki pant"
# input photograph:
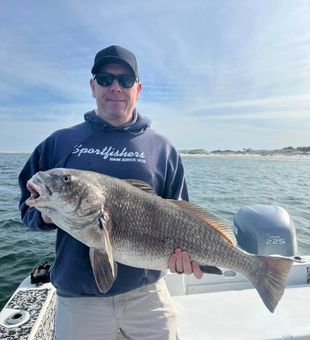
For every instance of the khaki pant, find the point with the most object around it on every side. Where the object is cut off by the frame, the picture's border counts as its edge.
(146, 313)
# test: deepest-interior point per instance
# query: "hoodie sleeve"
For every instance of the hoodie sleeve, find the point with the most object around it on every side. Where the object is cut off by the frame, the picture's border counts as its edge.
(175, 184)
(38, 161)
(51, 153)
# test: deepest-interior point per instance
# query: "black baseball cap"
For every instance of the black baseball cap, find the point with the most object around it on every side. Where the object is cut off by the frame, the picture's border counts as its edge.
(115, 54)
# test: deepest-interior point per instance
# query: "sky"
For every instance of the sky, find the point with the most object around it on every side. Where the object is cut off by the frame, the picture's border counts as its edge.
(229, 74)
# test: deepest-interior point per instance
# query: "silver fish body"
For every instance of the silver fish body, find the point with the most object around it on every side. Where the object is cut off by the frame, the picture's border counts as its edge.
(125, 222)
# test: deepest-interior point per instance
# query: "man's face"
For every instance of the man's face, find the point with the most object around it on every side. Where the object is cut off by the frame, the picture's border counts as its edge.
(115, 103)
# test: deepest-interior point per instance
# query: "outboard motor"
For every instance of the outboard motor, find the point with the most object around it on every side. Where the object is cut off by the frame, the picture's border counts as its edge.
(265, 230)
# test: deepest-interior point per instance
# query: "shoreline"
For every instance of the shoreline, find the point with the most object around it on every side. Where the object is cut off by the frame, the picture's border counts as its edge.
(229, 154)
(270, 156)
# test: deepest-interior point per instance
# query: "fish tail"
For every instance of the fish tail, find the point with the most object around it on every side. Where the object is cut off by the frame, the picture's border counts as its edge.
(270, 281)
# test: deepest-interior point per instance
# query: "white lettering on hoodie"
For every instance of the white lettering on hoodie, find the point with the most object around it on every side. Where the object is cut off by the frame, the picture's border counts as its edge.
(108, 152)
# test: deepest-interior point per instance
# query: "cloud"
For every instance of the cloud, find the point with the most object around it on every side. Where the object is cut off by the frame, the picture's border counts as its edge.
(295, 106)
(231, 67)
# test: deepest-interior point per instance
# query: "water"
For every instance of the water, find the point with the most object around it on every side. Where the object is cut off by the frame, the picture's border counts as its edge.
(20, 249)
(224, 184)
(220, 184)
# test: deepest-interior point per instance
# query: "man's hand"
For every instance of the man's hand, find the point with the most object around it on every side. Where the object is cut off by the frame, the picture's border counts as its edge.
(46, 219)
(180, 262)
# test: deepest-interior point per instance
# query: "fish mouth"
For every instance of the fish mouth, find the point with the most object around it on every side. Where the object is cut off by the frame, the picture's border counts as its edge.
(39, 192)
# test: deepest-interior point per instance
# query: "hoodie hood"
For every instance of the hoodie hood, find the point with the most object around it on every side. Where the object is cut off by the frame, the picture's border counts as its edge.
(138, 125)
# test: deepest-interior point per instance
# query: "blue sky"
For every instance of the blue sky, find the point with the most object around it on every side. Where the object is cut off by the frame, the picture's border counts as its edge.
(216, 74)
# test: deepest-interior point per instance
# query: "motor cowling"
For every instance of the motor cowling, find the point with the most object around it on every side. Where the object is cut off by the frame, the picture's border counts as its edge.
(265, 230)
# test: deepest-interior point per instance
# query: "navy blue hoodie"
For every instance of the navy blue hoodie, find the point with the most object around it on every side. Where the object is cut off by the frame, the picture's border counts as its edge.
(132, 151)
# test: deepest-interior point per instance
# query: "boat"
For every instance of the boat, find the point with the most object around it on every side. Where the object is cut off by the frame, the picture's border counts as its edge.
(214, 307)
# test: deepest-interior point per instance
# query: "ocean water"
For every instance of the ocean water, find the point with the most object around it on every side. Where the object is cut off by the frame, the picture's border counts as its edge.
(220, 184)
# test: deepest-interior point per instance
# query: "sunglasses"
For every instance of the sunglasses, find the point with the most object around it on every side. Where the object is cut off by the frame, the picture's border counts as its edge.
(106, 79)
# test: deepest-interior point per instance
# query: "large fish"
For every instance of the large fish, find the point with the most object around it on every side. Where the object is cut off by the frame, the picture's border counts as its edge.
(125, 221)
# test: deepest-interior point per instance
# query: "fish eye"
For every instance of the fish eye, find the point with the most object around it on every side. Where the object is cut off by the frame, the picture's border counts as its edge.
(66, 178)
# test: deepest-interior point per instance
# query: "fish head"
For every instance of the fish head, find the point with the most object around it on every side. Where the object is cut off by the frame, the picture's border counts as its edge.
(65, 194)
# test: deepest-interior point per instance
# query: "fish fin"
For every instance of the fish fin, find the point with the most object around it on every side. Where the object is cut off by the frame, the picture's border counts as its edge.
(107, 242)
(270, 281)
(206, 217)
(141, 185)
(211, 270)
(103, 272)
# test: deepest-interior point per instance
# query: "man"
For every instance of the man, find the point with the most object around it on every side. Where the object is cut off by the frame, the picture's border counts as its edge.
(115, 140)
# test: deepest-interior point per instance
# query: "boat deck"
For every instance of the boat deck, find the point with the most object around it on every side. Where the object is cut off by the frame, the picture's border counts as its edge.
(228, 307)
(242, 315)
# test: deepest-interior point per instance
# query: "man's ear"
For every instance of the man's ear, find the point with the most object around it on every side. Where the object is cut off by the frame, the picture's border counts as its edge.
(139, 88)
(92, 86)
